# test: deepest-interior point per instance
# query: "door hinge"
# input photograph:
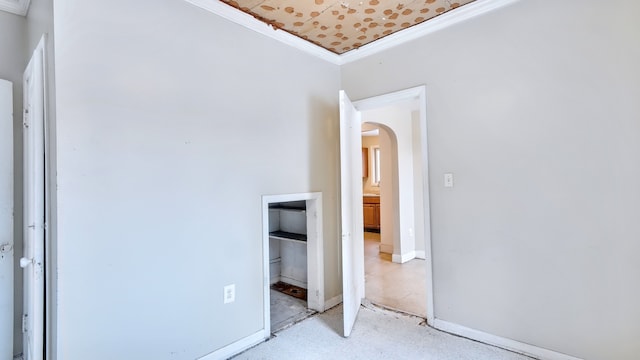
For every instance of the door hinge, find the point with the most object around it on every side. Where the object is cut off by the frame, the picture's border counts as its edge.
(25, 117)
(24, 322)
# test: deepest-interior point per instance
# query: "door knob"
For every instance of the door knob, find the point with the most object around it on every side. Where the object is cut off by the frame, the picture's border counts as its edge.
(24, 262)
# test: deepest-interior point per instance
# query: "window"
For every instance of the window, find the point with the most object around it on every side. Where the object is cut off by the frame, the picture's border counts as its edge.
(376, 166)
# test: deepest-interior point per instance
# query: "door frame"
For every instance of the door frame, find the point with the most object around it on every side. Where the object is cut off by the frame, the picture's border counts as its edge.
(416, 93)
(315, 253)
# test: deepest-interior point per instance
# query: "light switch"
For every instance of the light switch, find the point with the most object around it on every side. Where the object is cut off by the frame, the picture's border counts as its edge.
(448, 180)
(229, 293)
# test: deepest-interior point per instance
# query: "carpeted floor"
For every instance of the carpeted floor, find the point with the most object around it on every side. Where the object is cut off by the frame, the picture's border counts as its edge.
(378, 334)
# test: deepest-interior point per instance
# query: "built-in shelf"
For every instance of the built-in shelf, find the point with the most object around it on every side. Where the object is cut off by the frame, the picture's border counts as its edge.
(285, 208)
(288, 243)
(283, 235)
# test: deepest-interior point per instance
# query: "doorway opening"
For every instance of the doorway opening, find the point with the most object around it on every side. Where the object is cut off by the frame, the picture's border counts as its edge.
(410, 207)
(393, 265)
(293, 259)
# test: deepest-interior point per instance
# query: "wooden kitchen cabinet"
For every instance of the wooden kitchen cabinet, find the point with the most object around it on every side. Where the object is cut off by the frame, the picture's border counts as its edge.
(365, 162)
(371, 212)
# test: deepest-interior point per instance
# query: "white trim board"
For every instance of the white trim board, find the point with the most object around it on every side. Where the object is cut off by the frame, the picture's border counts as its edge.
(236, 347)
(334, 301)
(18, 7)
(241, 18)
(440, 22)
(403, 258)
(501, 342)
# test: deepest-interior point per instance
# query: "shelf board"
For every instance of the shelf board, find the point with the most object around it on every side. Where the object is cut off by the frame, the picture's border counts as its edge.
(287, 209)
(283, 235)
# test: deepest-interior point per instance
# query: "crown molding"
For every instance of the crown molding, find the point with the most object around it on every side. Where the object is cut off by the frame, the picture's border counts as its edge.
(18, 7)
(241, 18)
(440, 22)
(432, 25)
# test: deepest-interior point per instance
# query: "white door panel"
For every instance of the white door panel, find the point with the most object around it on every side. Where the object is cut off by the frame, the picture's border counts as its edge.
(351, 211)
(32, 261)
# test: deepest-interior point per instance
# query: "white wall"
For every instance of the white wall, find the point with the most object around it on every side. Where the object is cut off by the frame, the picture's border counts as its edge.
(420, 222)
(389, 200)
(12, 48)
(535, 110)
(171, 124)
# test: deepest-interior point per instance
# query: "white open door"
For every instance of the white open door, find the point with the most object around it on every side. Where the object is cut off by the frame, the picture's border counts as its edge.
(351, 211)
(32, 261)
(6, 220)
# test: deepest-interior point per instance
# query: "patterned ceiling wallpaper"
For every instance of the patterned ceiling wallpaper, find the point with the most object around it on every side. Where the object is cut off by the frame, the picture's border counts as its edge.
(340, 26)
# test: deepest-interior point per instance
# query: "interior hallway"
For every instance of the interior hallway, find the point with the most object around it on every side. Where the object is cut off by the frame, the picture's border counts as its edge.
(397, 286)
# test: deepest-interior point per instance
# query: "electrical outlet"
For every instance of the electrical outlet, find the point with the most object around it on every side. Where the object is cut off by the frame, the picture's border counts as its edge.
(229, 293)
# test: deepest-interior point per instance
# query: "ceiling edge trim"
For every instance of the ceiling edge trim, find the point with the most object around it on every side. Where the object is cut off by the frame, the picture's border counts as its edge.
(18, 7)
(440, 22)
(219, 8)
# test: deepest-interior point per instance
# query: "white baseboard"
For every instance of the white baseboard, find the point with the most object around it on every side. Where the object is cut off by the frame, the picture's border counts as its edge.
(292, 281)
(421, 254)
(237, 347)
(515, 346)
(332, 302)
(386, 248)
(401, 259)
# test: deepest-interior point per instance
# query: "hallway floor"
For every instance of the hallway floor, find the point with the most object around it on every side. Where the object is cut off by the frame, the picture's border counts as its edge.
(396, 286)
